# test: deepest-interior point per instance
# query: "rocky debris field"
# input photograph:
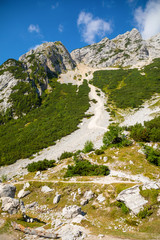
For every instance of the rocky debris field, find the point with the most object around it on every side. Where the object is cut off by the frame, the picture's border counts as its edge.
(45, 204)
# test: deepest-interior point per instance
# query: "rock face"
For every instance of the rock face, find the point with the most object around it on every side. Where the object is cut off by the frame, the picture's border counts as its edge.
(10, 205)
(71, 211)
(132, 199)
(7, 190)
(124, 50)
(70, 232)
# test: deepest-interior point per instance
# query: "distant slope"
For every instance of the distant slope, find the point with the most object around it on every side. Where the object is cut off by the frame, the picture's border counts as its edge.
(129, 88)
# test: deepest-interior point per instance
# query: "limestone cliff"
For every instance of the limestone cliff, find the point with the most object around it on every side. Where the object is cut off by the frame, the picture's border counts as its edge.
(125, 50)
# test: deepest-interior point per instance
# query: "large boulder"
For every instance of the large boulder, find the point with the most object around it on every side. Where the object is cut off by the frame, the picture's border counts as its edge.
(132, 199)
(22, 193)
(71, 211)
(46, 189)
(88, 195)
(57, 198)
(10, 205)
(7, 190)
(70, 232)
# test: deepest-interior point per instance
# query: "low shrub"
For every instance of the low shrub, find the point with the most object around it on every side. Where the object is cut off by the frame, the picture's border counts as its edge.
(115, 137)
(40, 165)
(152, 155)
(88, 147)
(145, 213)
(66, 155)
(85, 168)
(123, 207)
(99, 152)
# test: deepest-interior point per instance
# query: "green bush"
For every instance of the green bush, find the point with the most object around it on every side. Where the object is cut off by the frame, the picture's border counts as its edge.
(152, 155)
(99, 152)
(66, 155)
(115, 137)
(85, 168)
(40, 165)
(88, 147)
(145, 213)
(123, 207)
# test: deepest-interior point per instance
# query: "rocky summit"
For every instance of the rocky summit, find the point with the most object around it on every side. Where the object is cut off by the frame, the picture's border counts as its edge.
(80, 141)
(125, 50)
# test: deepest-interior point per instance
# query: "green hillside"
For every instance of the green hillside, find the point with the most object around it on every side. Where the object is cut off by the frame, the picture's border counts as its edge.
(59, 114)
(129, 88)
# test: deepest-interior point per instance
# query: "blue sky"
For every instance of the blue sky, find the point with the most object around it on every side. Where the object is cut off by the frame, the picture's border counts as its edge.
(24, 24)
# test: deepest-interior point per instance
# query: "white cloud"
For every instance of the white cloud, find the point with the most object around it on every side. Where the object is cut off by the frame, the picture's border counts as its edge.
(148, 19)
(33, 28)
(55, 5)
(60, 28)
(91, 27)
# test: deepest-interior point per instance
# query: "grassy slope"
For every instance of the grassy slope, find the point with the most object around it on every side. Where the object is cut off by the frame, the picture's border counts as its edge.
(105, 218)
(129, 88)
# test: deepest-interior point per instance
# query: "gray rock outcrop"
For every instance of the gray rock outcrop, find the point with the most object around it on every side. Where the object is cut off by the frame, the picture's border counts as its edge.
(7, 190)
(124, 50)
(22, 193)
(57, 198)
(46, 189)
(10, 205)
(70, 232)
(132, 199)
(71, 211)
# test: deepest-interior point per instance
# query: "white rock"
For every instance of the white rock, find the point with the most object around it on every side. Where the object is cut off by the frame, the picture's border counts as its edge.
(22, 193)
(10, 205)
(79, 191)
(46, 189)
(71, 211)
(151, 185)
(84, 202)
(7, 190)
(26, 185)
(57, 198)
(101, 198)
(88, 195)
(37, 174)
(132, 199)
(105, 159)
(130, 162)
(70, 232)
(58, 223)
(141, 151)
